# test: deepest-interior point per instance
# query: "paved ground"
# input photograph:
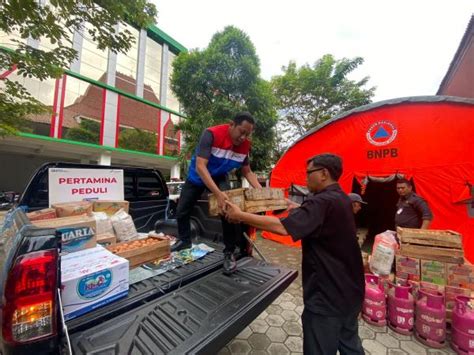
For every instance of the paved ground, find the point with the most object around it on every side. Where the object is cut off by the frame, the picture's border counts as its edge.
(278, 329)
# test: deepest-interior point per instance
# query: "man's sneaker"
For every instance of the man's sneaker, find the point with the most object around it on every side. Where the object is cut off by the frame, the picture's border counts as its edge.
(181, 244)
(229, 263)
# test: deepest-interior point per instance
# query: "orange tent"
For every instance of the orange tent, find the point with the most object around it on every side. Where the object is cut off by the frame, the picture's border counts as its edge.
(427, 139)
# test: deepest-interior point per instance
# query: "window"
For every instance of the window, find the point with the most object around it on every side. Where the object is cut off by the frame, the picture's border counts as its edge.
(126, 71)
(149, 185)
(128, 186)
(93, 60)
(39, 193)
(152, 71)
(171, 100)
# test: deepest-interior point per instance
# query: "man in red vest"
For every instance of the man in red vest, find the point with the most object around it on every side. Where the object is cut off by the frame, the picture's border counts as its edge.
(221, 149)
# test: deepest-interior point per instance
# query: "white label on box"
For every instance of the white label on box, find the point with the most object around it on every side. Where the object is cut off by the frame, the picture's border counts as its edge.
(68, 185)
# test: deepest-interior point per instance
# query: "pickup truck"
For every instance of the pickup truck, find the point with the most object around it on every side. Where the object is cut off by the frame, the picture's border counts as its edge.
(192, 309)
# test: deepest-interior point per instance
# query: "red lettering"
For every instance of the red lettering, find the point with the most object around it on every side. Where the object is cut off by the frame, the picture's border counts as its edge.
(75, 191)
(62, 180)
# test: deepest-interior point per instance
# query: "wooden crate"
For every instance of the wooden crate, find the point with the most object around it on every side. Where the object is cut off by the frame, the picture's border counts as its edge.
(252, 200)
(428, 237)
(439, 245)
(265, 205)
(142, 255)
(236, 196)
(445, 255)
(265, 193)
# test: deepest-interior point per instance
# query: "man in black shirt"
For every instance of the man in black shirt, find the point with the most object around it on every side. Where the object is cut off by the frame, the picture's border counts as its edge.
(412, 210)
(333, 276)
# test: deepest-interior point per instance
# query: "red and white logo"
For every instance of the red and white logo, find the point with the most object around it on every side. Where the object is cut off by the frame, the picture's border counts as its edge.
(381, 133)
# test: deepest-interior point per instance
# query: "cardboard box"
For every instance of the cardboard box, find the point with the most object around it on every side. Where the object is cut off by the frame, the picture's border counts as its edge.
(431, 287)
(407, 268)
(90, 279)
(110, 207)
(68, 209)
(106, 239)
(433, 271)
(46, 213)
(460, 275)
(76, 233)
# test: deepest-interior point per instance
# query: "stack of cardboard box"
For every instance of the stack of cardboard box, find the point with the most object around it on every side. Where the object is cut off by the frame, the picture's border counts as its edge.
(433, 260)
(91, 275)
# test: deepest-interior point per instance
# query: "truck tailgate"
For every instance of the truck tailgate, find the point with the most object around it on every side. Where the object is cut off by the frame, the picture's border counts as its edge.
(201, 317)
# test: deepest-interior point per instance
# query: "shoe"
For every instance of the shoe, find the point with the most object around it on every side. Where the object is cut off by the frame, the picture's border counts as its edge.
(181, 244)
(229, 264)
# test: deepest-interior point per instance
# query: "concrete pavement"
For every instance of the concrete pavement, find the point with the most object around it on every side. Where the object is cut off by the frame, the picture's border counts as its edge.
(278, 329)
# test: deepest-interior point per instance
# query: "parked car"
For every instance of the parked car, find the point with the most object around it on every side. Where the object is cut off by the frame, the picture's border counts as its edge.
(174, 189)
(8, 199)
(192, 309)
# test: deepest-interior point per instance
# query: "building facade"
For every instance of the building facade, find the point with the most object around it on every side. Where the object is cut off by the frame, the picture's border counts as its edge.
(107, 108)
(459, 79)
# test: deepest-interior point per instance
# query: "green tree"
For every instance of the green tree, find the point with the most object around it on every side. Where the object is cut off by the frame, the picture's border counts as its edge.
(55, 23)
(215, 83)
(88, 132)
(137, 139)
(309, 95)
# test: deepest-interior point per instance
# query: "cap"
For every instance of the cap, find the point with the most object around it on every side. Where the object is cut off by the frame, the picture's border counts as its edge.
(356, 198)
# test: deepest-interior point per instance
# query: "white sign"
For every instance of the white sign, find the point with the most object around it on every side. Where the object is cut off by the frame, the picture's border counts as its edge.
(66, 185)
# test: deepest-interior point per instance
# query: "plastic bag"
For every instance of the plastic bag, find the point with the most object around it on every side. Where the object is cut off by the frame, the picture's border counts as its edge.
(383, 253)
(103, 223)
(124, 227)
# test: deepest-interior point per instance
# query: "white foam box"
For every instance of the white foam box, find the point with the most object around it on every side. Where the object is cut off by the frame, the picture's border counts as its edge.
(90, 279)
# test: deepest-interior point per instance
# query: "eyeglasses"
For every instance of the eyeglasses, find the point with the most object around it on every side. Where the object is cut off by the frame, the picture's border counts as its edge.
(309, 172)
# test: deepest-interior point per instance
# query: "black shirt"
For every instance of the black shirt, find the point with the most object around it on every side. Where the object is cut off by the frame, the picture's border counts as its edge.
(333, 274)
(411, 211)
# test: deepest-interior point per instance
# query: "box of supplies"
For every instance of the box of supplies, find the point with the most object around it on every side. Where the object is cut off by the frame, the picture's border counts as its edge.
(46, 213)
(110, 207)
(460, 275)
(407, 268)
(433, 271)
(90, 279)
(76, 232)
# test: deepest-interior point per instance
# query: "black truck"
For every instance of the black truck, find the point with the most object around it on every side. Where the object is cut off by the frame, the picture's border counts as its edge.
(192, 309)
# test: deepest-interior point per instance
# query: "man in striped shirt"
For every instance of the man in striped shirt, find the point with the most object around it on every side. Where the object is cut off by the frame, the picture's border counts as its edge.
(221, 149)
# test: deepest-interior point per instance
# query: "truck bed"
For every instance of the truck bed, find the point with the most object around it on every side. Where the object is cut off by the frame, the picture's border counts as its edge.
(200, 317)
(151, 288)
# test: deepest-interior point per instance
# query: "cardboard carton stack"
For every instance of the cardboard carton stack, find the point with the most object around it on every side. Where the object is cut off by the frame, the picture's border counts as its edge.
(252, 200)
(92, 275)
(434, 260)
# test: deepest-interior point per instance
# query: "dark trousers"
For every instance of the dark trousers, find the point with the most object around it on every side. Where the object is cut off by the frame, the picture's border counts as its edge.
(188, 197)
(325, 335)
